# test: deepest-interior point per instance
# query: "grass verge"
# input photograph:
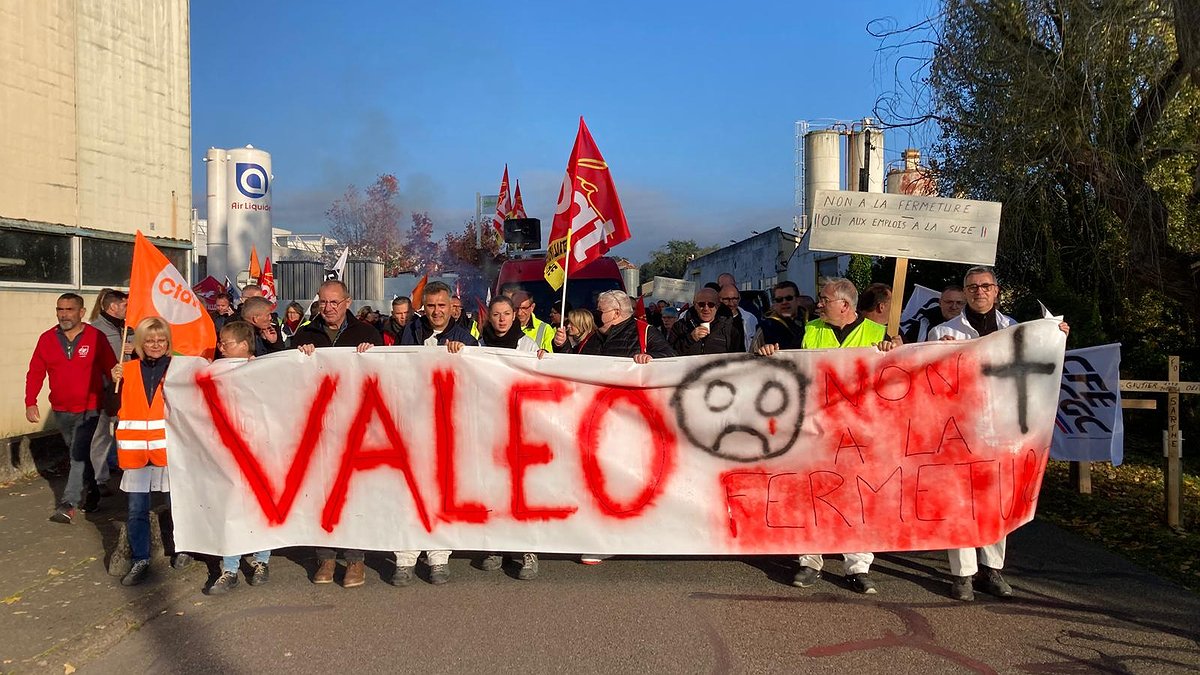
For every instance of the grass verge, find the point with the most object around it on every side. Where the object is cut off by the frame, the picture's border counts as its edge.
(1125, 513)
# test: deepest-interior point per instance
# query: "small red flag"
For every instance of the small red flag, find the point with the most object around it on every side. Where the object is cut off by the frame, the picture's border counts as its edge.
(503, 204)
(640, 310)
(267, 283)
(518, 205)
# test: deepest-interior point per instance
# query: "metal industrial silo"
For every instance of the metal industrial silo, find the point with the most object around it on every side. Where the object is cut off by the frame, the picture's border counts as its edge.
(858, 157)
(217, 237)
(822, 165)
(297, 280)
(913, 179)
(248, 203)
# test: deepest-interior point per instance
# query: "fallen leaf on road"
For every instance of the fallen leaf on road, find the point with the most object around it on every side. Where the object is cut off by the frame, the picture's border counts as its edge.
(53, 572)
(11, 599)
(178, 613)
(68, 669)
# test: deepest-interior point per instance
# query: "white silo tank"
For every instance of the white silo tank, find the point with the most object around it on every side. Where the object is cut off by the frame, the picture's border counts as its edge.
(248, 197)
(856, 156)
(913, 179)
(218, 242)
(822, 165)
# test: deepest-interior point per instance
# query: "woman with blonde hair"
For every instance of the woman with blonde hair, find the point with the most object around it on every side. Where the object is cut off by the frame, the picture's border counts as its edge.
(142, 437)
(578, 328)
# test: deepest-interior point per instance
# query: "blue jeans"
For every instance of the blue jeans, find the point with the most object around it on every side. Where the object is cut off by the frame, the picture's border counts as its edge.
(138, 524)
(77, 430)
(229, 563)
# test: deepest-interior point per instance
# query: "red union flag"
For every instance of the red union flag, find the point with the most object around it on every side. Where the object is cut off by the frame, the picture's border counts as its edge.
(504, 205)
(156, 288)
(518, 205)
(589, 220)
(267, 283)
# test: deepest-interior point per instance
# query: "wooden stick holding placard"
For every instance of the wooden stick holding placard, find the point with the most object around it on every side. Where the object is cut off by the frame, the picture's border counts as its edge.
(893, 325)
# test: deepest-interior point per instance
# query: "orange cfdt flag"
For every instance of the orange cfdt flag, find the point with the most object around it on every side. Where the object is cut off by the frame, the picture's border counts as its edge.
(255, 270)
(418, 293)
(156, 288)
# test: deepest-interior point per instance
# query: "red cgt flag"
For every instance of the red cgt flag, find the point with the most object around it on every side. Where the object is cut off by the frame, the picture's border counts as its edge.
(156, 288)
(589, 220)
(267, 283)
(518, 205)
(503, 204)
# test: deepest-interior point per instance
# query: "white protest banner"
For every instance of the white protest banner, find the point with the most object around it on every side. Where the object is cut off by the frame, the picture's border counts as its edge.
(930, 446)
(1089, 425)
(906, 226)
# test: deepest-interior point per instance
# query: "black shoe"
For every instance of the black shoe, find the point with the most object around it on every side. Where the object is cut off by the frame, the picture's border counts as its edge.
(491, 562)
(962, 589)
(992, 583)
(64, 514)
(91, 503)
(259, 574)
(224, 583)
(182, 560)
(137, 574)
(861, 583)
(805, 577)
(403, 576)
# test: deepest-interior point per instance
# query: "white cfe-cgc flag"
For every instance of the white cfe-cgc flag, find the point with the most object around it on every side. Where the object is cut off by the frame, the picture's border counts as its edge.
(932, 445)
(1089, 423)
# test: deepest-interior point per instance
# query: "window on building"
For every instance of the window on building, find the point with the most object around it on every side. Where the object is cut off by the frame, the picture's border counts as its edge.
(35, 257)
(106, 262)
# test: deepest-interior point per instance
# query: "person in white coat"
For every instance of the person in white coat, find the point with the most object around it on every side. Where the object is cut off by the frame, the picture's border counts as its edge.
(979, 318)
(748, 326)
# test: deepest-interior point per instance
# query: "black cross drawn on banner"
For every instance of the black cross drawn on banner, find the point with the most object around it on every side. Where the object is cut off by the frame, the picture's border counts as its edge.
(1020, 370)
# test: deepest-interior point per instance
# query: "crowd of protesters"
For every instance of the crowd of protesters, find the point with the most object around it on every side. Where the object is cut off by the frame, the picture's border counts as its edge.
(106, 432)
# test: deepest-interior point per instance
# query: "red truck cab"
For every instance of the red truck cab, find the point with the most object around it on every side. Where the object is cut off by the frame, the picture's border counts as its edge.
(583, 285)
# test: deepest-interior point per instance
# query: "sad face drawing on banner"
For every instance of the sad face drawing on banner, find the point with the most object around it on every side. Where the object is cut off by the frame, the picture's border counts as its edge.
(743, 409)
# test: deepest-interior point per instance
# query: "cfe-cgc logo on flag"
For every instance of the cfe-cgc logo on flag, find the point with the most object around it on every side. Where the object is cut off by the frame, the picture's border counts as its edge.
(252, 179)
(173, 299)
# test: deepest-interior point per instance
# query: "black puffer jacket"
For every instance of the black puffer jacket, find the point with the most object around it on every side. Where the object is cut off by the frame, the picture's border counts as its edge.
(354, 333)
(622, 340)
(418, 329)
(720, 339)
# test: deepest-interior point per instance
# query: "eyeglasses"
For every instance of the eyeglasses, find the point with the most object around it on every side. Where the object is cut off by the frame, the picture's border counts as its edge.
(822, 300)
(331, 303)
(155, 341)
(526, 308)
(986, 288)
(730, 299)
(706, 305)
(784, 298)
(226, 344)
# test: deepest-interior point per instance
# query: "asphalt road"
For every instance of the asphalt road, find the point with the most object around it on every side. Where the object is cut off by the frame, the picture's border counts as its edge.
(1077, 609)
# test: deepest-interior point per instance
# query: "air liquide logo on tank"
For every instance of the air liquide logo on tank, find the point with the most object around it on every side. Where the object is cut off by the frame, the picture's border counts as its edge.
(173, 299)
(252, 181)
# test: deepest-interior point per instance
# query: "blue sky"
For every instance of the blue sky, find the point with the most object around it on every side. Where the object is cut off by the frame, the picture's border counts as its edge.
(692, 104)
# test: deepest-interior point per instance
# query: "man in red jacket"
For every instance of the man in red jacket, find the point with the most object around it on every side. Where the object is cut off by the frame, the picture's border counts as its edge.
(77, 358)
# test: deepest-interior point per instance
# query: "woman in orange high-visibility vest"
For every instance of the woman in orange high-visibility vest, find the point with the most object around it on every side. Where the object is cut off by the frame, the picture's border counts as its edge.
(142, 436)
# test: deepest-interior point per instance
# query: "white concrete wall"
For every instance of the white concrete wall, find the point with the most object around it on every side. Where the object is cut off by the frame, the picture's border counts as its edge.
(95, 132)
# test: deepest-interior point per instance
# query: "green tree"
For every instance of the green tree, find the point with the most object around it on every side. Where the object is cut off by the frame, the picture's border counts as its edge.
(1083, 118)
(672, 259)
(368, 223)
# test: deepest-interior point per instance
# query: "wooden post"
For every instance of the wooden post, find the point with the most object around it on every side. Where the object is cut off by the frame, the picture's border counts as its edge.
(1080, 474)
(893, 327)
(1172, 475)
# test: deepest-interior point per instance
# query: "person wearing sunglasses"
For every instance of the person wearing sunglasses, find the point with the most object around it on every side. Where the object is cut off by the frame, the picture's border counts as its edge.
(701, 330)
(779, 329)
(980, 317)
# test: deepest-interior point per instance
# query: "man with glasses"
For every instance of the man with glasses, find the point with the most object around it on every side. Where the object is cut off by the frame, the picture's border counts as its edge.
(539, 331)
(979, 318)
(840, 325)
(702, 331)
(745, 324)
(950, 304)
(621, 334)
(335, 326)
(779, 328)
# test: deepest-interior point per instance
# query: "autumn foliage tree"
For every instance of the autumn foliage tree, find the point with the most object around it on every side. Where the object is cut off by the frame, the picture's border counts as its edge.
(368, 222)
(422, 255)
